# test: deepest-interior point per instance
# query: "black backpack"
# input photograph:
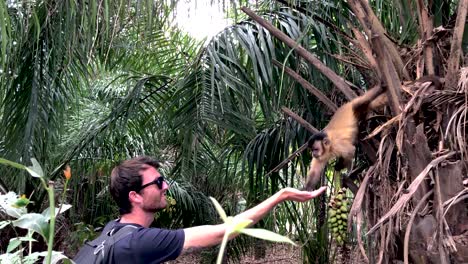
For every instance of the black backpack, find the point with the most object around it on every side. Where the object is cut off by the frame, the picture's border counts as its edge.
(101, 249)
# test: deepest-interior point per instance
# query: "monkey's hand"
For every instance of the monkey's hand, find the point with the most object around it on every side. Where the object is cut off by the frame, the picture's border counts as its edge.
(291, 194)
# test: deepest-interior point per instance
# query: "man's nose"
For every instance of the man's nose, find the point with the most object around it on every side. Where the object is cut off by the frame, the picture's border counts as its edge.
(165, 185)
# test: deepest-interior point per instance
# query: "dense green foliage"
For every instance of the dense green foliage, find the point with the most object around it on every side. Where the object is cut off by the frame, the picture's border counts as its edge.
(90, 83)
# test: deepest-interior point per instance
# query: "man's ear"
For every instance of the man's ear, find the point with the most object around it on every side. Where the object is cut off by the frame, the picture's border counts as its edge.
(134, 197)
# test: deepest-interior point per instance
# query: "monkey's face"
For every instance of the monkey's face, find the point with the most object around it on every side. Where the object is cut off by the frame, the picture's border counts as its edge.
(320, 148)
(317, 149)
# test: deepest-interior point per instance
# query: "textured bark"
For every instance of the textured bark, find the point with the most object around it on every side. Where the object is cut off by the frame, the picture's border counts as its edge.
(371, 26)
(389, 74)
(426, 26)
(451, 183)
(418, 156)
(456, 48)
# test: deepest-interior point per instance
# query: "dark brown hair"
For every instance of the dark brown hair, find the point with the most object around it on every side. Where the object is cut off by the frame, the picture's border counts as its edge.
(126, 177)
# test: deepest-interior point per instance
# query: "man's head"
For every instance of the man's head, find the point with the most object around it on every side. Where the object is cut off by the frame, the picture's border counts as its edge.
(137, 183)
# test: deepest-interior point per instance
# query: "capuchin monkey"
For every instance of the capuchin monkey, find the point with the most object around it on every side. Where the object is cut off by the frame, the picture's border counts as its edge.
(338, 138)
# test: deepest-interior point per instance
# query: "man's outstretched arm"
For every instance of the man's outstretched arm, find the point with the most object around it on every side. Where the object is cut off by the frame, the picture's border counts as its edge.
(210, 235)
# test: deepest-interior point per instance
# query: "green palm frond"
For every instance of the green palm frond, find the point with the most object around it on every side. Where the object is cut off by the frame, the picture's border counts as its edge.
(130, 115)
(237, 90)
(50, 46)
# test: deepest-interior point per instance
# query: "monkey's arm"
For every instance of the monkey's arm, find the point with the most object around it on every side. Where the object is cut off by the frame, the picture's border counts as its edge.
(314, 174)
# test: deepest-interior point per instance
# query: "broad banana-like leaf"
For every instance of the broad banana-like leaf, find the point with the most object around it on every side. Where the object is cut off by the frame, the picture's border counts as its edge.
(46, 212)
(266, 235)
(36, 222)
(219, 209)
(35, 170)
(240, 224)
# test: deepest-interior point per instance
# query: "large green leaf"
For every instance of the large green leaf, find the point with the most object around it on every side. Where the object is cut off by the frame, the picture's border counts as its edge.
(240, 224)
(4, 224)
(56, 257)
(266, 235)
(13, 244)
(63, 208)
(35, 170)
(32, 221)
(219, 209)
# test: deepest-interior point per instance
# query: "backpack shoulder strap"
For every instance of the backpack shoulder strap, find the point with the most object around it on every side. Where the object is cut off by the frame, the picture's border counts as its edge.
(114, 237)
(106, 246)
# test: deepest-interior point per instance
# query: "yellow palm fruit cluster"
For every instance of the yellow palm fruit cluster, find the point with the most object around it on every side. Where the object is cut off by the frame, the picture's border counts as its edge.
(171, 205)
(338, 216)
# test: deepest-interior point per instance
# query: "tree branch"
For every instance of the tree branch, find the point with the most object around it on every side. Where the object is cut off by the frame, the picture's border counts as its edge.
(389, 74)
(425, 31)
(319, 19)
(371, 24)
(300, 120)
(309, 87)
(366, 49)
(455, 49)
(298, 152)
(337, 80)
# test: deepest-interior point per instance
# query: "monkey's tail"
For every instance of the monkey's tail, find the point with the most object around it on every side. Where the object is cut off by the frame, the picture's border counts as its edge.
(363, 103)
(379, 102)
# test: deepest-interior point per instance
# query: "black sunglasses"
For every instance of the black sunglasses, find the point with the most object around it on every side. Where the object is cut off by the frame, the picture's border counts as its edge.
(158, 181)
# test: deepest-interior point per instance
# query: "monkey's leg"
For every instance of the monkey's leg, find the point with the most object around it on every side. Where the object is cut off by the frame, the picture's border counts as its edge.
(340, 164)
(347, 181)
(343, 163)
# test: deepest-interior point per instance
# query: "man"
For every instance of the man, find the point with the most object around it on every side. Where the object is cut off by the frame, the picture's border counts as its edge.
(139, 190)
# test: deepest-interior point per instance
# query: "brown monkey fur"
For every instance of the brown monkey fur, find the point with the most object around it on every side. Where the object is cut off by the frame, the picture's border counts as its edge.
(338, 138)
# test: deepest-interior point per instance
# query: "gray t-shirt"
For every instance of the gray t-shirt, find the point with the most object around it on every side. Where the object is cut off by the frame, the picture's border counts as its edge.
(142, 245)
(148, 245)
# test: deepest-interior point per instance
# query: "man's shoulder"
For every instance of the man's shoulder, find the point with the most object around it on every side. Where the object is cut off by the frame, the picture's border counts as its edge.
(151, 245)
(115, 224)
(156, 232)
(142, 234)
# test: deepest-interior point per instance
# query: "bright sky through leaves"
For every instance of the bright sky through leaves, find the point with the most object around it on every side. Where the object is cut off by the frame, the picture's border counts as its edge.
(201, 18)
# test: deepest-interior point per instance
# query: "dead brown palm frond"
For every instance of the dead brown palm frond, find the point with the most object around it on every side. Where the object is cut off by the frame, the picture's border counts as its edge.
(454, 104)
(359, 197)
(359, 223)
(463, 81)
(461, 125)
(356, 210)
(352, 60)
(388, 144)
(410, 191)
(444, 98)
(385, 126)
(412, 107)
(460, 196)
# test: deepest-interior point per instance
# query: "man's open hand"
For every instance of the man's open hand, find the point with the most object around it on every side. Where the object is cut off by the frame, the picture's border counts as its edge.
(291, 194)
